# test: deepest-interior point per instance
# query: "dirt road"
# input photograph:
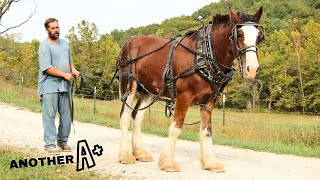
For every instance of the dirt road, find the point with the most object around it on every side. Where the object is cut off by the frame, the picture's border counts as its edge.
(22, 128)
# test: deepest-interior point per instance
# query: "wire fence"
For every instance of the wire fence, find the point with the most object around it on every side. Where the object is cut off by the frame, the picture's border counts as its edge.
(221, 103)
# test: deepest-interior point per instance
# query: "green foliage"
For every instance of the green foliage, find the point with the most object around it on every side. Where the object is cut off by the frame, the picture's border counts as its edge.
(289, 68)
(94, 55)
(19, 60)
(289, 59)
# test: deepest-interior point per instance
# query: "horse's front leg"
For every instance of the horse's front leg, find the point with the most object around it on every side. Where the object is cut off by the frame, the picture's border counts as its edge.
(208, 158)
(125, 153)
(138, 151)
(166, 160)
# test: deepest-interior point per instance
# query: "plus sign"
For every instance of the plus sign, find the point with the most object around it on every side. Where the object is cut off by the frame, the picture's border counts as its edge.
(97, 150)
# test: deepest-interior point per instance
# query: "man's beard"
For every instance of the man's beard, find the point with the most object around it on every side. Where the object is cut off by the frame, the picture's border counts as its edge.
(53, 36)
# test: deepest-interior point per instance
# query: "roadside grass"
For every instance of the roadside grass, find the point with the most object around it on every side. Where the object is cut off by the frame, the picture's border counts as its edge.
(8, 154)
(286, 133)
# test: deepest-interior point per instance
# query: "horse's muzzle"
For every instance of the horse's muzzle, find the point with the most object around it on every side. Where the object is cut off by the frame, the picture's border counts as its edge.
(250, 72)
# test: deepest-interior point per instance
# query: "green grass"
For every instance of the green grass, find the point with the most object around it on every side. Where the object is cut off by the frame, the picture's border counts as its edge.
(8, 154)
(285, 133)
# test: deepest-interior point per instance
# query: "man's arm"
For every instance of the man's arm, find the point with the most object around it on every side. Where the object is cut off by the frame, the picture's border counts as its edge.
(55, 72)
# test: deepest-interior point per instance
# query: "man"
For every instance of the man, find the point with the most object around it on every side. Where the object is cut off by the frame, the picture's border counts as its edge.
(56, 70)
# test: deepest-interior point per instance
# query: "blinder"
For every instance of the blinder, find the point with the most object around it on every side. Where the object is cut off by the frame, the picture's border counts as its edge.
(234, 35)
(234, 39)
(261, 35)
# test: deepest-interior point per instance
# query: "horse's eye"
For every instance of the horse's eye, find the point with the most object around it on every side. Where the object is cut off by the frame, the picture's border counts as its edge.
(239, 35)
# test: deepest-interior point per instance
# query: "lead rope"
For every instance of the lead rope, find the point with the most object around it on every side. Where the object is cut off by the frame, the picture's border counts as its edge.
(71, 103)
(77, 91)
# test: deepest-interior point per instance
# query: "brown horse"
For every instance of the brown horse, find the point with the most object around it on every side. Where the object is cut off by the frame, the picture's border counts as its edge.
(189, 69)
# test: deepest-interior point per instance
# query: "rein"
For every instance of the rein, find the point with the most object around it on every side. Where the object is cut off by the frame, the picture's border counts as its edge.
(74, 83)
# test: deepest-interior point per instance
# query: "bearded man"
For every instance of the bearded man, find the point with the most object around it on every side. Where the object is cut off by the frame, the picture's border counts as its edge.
(56, 70)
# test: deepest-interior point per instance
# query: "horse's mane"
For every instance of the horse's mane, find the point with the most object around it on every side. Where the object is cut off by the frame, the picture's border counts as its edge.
(220, 19)
(224, 19)
(217, 19)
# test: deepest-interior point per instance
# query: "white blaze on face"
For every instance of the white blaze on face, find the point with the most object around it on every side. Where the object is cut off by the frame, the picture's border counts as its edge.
(250, 63)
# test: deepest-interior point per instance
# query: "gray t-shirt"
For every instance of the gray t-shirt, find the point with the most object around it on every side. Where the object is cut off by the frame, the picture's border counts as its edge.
(57, 56)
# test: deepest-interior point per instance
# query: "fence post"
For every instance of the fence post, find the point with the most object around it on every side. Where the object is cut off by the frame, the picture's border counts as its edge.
(223, 108)
(94, 99)
(21, 83)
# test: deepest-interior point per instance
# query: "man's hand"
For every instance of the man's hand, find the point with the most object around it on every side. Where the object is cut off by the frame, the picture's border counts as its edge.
(76, 73)
(55, 72)
(68, 76)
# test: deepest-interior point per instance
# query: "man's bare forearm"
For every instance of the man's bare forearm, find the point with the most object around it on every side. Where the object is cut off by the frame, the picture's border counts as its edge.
(55, 72)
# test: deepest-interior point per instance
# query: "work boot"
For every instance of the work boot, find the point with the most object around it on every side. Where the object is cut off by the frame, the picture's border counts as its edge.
(64, 147)
(52, 150)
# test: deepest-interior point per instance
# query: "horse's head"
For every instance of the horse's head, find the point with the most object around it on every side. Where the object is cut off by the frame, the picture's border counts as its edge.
(246, 35)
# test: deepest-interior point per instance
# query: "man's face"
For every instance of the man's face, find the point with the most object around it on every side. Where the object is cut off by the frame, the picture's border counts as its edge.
(53, 30)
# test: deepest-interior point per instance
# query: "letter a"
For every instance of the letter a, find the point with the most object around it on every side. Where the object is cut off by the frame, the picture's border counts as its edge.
(13, 164)
(84, 153)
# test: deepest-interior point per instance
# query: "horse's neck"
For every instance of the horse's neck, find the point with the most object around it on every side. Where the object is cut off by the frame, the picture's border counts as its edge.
(222, 45)
(191, 40)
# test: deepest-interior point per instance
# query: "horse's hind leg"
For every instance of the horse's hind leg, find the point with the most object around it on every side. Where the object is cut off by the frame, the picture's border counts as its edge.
(125, 155)
(208, 158)
(137, 117)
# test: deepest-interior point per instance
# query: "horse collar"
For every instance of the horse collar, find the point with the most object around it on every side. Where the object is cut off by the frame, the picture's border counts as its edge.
(209, 68)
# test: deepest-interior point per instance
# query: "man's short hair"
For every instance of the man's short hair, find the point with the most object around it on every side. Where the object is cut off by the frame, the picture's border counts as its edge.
(49, 20)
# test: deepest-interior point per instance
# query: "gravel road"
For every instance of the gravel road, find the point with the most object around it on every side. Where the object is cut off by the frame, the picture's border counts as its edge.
(22, 128)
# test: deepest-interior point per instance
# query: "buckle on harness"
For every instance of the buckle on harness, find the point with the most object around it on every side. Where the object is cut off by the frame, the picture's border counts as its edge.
(169, 107)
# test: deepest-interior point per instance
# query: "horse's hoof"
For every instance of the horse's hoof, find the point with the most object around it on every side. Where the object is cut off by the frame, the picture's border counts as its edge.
(212, 166)
(166, 164)
(142, 155)
(126, 158)
(169, 166)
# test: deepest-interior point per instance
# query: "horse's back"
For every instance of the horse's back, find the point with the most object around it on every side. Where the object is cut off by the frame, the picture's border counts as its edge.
(143, 44)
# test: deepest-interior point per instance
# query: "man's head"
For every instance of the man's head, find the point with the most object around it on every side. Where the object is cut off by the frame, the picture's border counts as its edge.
(52, 28)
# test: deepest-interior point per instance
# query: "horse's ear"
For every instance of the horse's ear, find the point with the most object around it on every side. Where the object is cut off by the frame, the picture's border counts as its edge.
(234, 16)
(258, 14)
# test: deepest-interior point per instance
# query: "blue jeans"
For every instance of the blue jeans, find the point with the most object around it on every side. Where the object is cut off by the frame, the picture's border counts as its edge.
(51, 103)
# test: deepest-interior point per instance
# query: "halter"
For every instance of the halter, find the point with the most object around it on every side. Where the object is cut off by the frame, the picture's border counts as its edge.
(234, 40)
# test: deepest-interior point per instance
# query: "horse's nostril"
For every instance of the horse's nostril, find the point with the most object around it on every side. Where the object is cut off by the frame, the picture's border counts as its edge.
(248, 68)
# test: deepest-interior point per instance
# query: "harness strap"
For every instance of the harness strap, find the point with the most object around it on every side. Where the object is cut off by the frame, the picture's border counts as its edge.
(144, 55)
(168, 79)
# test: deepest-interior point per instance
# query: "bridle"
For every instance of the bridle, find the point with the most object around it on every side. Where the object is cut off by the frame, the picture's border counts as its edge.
(234, 41)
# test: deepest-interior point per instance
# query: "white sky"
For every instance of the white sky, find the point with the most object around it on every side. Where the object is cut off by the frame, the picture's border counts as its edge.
(106, 14)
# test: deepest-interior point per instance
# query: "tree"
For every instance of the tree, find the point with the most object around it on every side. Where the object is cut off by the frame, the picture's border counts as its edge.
(310, 64)
(4, 8)
(277, 71)
(93, 54)
(296, 37)
(107, 53)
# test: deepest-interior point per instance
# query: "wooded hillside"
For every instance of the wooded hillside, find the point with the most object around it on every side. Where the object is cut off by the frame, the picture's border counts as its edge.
(289, 58)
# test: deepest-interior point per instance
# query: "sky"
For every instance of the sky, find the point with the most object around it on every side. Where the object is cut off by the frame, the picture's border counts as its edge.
(107, 15)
